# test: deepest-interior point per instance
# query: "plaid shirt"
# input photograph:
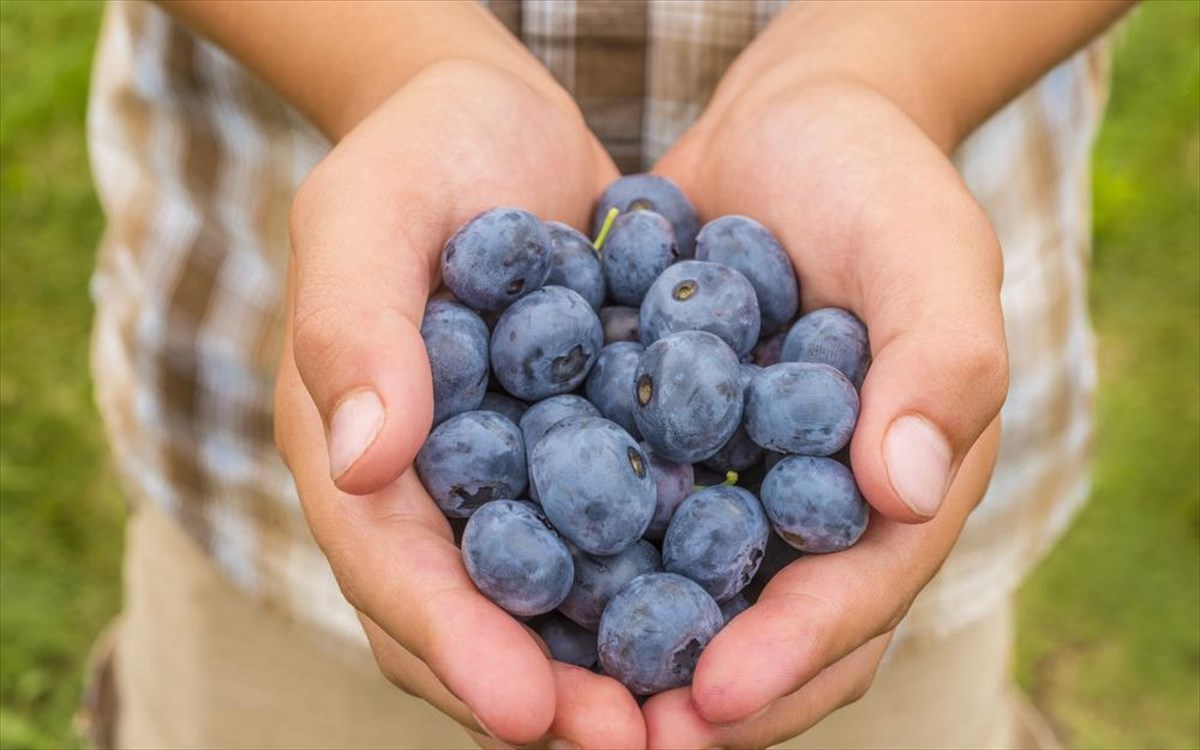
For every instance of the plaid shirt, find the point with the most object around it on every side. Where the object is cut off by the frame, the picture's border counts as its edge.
(196, 162)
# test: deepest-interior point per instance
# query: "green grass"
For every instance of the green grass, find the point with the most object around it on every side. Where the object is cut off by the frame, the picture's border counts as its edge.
(1110, 624)
(60, 516)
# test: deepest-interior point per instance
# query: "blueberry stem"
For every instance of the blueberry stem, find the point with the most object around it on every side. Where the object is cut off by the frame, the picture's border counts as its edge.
(605, 228)
(731, 479)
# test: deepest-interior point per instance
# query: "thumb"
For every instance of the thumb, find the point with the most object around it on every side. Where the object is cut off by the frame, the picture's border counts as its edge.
(362, 276)
(940, 368)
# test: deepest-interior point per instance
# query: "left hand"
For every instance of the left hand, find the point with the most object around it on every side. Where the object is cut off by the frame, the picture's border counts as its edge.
(877, 221)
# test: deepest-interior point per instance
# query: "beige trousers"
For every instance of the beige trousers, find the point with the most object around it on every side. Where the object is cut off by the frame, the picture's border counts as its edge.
(199, 664)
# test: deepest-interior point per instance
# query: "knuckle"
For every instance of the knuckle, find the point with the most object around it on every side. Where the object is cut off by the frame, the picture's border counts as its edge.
(859, 688)
(984, 365)
(318, 338)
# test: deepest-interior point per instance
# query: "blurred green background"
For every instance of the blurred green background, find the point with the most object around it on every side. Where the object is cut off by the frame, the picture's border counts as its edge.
(1109, 625)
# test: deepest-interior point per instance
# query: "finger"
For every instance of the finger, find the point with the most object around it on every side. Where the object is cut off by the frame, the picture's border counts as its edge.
(822, 607)
(594, 711)
(395, 560)
(672, 720)
(414, 677)
(363, 271)
(940, 369)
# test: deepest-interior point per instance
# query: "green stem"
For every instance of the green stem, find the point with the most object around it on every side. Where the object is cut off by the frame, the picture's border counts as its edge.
(605, 228)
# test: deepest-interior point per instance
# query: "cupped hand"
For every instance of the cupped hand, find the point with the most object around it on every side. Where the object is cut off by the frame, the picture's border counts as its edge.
(354, 398)
(876, 221)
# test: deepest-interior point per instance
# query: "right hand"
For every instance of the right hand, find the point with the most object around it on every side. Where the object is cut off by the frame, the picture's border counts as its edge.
(353, 400)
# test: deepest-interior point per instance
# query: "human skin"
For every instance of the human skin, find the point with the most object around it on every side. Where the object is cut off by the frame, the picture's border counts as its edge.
(833, 130)
(819, 131)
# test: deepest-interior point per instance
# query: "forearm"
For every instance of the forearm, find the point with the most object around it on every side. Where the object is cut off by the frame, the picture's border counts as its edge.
(336, 61)
(948, 65)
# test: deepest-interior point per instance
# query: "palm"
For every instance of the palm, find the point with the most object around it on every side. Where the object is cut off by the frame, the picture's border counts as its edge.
(367, 228)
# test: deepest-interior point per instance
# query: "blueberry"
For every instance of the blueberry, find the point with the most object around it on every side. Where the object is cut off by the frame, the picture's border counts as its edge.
(653, 631)
(456, 340)
(610, 383)
(688, 394)
(650, 192)
(739, 453)
(516, 559)
(814, 504)
(717, 539)
(594, 483)
(506, 406)
(768, 351)
(567, 642)
(543, 415)
(833, 337)
(698, 296)
(673, 483)
(796, 407)
(575, 264)
(496, 257)
(470, 459)
(640, 246)
(545, 343)
(742, 243)
(619, 323)
(598, 579)
(734, 606)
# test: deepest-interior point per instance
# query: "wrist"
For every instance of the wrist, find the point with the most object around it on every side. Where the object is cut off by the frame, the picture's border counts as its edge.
(817, 48)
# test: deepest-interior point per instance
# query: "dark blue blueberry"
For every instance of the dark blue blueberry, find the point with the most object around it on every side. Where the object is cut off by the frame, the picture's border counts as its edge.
(814, 504)
(598, 579)
(653, 631)
(619, 323)
(649, 192)
(567, 642)
(496, 257)
(545, 343)
(739, 453)
(768, 351)
(543, 415)
(516, 559)
(742, 243)
(689, 395)
(540, 417)
(456, 340)
(506, 406)
(734, 606)
(575, 263)
(698, 296)
(610, 383)
(831, 336)
(673, 483)
(640, 246)
(717, 539)
(470, 459)
(797, 407)
(594, 484)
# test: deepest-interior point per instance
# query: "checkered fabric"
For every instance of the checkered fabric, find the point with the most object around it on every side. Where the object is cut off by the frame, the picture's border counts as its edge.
(196, 162)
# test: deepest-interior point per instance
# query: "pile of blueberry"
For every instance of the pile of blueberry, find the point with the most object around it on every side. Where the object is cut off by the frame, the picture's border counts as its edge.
(625, 422)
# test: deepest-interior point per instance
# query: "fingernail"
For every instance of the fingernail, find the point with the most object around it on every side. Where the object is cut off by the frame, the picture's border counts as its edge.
(918, 464)
(560, 744)
(353, 428)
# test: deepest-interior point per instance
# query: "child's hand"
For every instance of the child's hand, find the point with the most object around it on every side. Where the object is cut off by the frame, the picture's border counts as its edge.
(878, 222)
(354, 399)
